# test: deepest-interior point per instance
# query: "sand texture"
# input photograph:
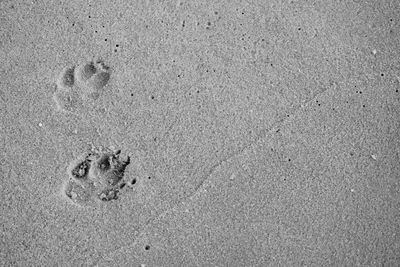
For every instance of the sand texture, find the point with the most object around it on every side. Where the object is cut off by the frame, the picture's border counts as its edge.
(200, 133)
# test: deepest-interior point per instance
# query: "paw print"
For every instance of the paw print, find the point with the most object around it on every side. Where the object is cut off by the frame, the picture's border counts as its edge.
(78, 85)
(95, 176)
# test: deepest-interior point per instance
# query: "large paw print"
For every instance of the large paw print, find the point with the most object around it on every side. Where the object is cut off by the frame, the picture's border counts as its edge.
(76, 85)
(95, 176)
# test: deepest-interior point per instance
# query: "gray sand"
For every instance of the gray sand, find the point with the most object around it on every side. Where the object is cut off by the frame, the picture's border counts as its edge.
(257, 134)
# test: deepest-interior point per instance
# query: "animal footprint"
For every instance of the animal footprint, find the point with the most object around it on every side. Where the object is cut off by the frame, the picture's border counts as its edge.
(95, 177)
(77, 86)
(92, 77)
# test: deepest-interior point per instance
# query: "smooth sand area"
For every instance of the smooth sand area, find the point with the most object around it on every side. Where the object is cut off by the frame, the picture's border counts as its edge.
(200, 133)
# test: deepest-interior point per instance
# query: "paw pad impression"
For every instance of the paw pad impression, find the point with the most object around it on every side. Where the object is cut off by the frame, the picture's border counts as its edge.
(95, 176)
(75, 85)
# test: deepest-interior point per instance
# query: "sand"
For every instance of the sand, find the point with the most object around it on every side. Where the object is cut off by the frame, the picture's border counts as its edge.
(202, 133)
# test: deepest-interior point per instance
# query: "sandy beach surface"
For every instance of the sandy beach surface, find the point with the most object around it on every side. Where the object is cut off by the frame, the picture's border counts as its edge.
(200, 133)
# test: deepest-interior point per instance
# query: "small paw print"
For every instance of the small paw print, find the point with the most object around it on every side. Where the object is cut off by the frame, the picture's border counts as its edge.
(76, 86)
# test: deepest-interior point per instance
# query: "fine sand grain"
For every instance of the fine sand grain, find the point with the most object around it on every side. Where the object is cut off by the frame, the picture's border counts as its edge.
(200, 133)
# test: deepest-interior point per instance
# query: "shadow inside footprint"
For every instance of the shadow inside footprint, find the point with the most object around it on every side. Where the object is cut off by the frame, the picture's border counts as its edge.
(79, 169)
(77, 194)
(98, 81)
(91, 78)
(85, 71)
(119, 166)
(103, 163)
(66, 78)
(111, 168)
(108, 174)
